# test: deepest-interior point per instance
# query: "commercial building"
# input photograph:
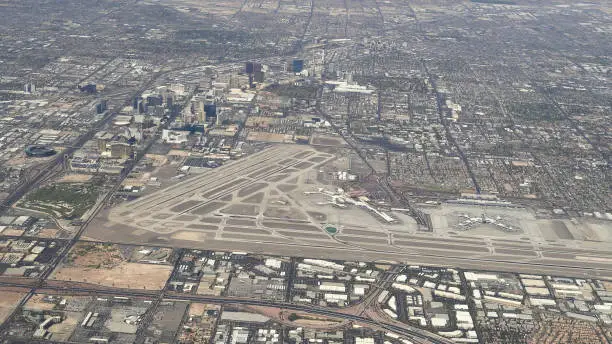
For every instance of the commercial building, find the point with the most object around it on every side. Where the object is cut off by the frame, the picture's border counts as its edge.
(297, 65)
(38, 151)
(120, 150)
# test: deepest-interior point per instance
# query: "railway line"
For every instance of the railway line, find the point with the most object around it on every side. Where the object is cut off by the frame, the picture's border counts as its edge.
(417, 335)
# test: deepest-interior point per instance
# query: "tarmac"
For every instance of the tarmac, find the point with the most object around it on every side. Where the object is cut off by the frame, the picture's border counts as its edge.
(247, 205)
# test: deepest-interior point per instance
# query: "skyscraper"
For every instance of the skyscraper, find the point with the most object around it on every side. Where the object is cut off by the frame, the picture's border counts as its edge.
(298, 66)
(211, 111)
(250, 68)
(101, 107)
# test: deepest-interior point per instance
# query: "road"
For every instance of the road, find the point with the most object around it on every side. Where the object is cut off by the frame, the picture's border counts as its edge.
(75, 288)
(394, 195)
(51, 167)
(47, 173)
(44, 285)
(449, 135)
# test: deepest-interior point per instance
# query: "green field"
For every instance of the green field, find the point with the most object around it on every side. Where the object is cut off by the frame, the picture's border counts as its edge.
(62, 200)
(292, 91)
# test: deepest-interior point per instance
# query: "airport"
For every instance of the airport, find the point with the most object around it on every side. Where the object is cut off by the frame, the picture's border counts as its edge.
(278, 201)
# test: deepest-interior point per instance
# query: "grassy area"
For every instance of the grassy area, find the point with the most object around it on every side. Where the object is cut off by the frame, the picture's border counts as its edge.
(62, 200)
(292, 91)
(331, 230)
(295, 317)
(495, 2)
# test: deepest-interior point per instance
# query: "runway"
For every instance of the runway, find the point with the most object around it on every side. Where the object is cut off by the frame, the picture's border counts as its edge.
(418, 253)
(254, 205)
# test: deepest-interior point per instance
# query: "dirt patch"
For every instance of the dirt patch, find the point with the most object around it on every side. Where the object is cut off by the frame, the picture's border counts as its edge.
(186, 218)
(222, 188)
(292, 226)
(75, 178)
(253, 238)
(277, 177)
(161, 216)
(303, 165)
(317, 216)
(106, 264)
(124, 275)
(327, 141)
(241, 222)
(202, 227)
(256, 198)
(184, 206)
(286, 187)
(236, 230)
(554, 230)
(63, 330)
(303, 235)
(105, 256)
(47, 233)
(198, 309)
(285, 162)
(210, 219)
(8, 301)
(317, 159)
(301, 155)
(350, 231)
(284, 213)
(262, 172)
(241, 209)
(13, 232)
(208, 208)
(251, 189)
(226, 198)
(189, 236)
(37, 302)
(307, 320)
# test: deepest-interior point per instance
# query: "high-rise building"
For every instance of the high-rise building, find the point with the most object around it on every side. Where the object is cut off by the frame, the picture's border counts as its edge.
(259, 76)
(234, 82)
(187, 114)
(120, 150)
(89, 88)
(179, 89)
(211, 111)
(29, 88)
(135, 102)
(167, 97)
(102, 142)
(298, 65)
(252, 67)
(249, 67)
(197, 108)
(141, 106)
(101, 107)
(156, 100)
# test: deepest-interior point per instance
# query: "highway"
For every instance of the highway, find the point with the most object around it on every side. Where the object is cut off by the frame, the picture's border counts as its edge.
(44, 285)
(52, 166)
(74, 288)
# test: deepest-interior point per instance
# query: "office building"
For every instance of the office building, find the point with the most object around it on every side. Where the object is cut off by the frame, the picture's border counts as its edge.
(298, 66)
(120, 150)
